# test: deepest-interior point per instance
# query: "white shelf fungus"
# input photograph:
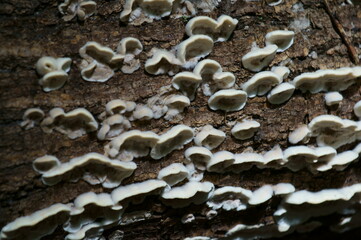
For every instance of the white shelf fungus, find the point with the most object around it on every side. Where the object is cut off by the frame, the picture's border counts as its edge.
(209, 137)
(53, 71)
(191, 192)
(281, 93)
(152, 8)
(81, 8)
(245, 129)
(91, 207)
(261, 195)
(131, 144)
(176, 105)
(90, 231)
(200, 156)
(244, 161)
(119, 106)
(230, 198)
(300, 134)
(187, 83)
(192, 49)
(327, 80)
(281, 71)
(273, 158)
(32, 117)
(273, 2)
(162, 62)
(173, 174)
(333, 98)
(357, 109)
(74, 124)
(94, 168)
(259, 58)
(46, 163)
(219, 30)
(261, 83)
(228, 100)
(282, 38)
(38, 224)
(112, 127)
(173, 139)
(128, 48)
(298, 157)
(142, 112)
(135, 193)
(220, 161)
(213, 78)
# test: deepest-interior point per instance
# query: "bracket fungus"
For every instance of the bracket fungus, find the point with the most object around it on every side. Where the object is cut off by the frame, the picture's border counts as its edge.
(128, 48)
(32, 117)
(192, 49)
(187, 83)
(46, 163)
(261, 83)
(80, 8)
(261, 195)
(162, 62)
(173, 174)
(333, 98)
(209, 137)
(38, 224)
(219, 30)
(357, 109)
(119, 106)
(273, 2)
(131, 144)
(74, 124)
(152, 8)
(244, 161)
(281, 93)
(191, 192)
(282, 71)
(94, 168)
(245, 129)
(228, 100)
(53, 71)
(300, 134)
(200, 156)
(298, 157)
(220, 161)
(259, 58)
(112, 127)
(230, 198)
(174, 138)
(142, 112)
(282, 38)
(176, 105)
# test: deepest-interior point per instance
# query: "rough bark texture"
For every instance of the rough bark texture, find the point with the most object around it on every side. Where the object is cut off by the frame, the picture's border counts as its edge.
(31, 29)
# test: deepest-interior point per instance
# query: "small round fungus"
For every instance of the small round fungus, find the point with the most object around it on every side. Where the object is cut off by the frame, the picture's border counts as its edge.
(142, 112)
(245, 161)
(187, 83)
(281, 93)
(45, 163)
(195, 47)
(129, 45)
(176, 105)
(357, 109)
(32, 117)
(209, 137)
(228, 100)
(230, 198)
(261, 195)
(162, 62)
(261, 83)
(282, 38)
(333, 98)
(281, 71)
(245, 129)
(298, 157)
(259, 58)
(112, 127)
(200, 156)
(117, 106)
(300, 134)
(82, 9)
(220, 161)
(174, 173)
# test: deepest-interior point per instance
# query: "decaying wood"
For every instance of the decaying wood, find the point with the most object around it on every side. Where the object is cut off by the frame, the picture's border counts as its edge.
(31, 29)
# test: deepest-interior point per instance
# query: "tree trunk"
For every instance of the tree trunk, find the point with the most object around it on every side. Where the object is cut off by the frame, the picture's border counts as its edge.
(32, 29)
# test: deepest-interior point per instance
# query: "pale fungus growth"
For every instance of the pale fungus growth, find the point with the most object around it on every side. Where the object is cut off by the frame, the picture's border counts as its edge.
(282, 38)
(298, 157)
(32, 117)
(230, 198)
(219, 30)
(228, 100)
(142, 112)
(191, 192)
(94, 168)
(281, 93)
(220, 161)
(281, 71)
(212, 76)
(273, 2)
(188, 218)
(152, 8)
(54, 72)
(209, 137)
(80, 8)
(194, 48)
(112, 127)
(90, 231)
(261, 83)
(128, 48)
(131, 144)
(333, 98)
(174, 138)
(136, 192)
(283, 189)
(300, 134)
(176, 105)
(357, 109)
(74, 124)
(244, 161)
(162, 62)
(245, 129)
(119, 106)
(46, 163)
(273, 158)
(200, 156)
(187, 83)
(173, 174)
(259, 58)
(261, 195)
(38, 224)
